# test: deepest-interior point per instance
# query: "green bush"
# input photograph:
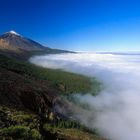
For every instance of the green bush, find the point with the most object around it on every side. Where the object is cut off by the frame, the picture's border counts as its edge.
(35, 134)
(20, 132)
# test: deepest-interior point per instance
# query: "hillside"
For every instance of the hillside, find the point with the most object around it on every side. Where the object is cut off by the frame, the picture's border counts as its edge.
(28, 94)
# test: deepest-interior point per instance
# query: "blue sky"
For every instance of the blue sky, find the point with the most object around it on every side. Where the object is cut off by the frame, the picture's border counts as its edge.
(83, 25)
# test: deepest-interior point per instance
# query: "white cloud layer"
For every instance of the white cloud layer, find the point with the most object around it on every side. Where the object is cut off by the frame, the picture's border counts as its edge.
(115, 112)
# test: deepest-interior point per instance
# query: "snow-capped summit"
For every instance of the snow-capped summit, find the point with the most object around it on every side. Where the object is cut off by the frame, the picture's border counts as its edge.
(13, 32)
(13, 42)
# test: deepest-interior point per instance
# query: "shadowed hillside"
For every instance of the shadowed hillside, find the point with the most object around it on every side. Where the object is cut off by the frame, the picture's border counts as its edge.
(28, 94)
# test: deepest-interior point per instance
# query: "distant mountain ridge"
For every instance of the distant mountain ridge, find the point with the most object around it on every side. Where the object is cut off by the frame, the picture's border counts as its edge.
(13, 43)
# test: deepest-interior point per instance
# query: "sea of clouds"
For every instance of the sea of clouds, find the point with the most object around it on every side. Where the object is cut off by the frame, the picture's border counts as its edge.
(115, 111)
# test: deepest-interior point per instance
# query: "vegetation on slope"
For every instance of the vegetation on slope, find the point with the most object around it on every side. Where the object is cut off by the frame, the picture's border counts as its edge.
(21, 125)
(66, 82)
(27, 94)
(15, 124)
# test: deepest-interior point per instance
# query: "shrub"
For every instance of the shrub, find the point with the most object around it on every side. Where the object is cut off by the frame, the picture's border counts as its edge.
(20, 132)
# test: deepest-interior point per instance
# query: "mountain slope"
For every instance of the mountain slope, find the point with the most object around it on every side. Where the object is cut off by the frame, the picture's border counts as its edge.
(14, 44)
(21, 78)
(28, 95)
(13, 40)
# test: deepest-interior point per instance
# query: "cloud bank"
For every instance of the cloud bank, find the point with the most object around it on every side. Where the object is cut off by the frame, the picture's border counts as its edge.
(115, 112)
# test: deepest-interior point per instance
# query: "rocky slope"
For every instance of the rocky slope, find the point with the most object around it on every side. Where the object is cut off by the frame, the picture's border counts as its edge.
(16, 42)
(18, 46)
